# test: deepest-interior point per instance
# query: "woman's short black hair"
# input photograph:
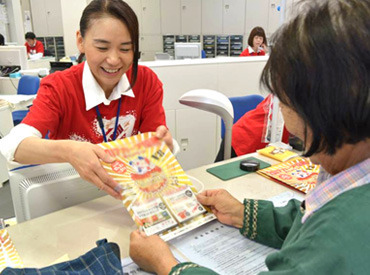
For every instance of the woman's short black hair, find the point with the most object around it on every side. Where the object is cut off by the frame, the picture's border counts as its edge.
(121, 11)
(319, 67)
(257, 31)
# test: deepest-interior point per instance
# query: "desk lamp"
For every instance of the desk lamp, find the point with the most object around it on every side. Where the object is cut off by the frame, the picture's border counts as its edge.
(214, 102)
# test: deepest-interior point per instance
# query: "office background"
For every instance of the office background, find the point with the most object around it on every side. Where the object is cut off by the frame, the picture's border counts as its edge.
(60, 18)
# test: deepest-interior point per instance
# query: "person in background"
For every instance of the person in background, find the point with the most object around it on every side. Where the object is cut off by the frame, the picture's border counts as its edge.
(325, 101)
(257, 43)
(2, 40)
(107, 97)
(248, 132)
(33, 45)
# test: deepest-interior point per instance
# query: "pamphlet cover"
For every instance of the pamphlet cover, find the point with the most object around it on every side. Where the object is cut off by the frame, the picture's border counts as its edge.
(298, 173)
(155, 190)
(277, 153)
(8, 254)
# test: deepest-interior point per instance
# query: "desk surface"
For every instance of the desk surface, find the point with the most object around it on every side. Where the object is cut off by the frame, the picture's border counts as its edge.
(73, 231)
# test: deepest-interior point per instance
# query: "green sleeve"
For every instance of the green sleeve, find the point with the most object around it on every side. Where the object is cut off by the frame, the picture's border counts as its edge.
(191, 268)
(267, 224)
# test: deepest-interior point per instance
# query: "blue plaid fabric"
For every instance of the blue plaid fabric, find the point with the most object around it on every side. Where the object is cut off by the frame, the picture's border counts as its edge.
(103, 259)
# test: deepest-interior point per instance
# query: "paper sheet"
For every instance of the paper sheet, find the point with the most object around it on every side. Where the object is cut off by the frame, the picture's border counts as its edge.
(219, 247)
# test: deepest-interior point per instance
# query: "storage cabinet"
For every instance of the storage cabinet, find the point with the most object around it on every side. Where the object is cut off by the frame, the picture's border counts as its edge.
(233, 16)
(191, 16)
(47, 17)
(150, 17)
(195, 133)
(211, 14)
(170, 16)
(256, 14)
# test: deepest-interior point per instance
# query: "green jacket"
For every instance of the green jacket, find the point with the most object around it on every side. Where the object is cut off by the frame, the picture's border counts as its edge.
(334, 240)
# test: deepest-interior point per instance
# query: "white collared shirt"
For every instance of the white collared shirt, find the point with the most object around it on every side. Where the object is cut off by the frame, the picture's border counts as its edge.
(250, 49)
(94, 94)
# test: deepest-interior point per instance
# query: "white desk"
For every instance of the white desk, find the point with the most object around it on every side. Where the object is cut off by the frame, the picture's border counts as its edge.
(73, 231)
(18, 102)
(43, 62)
(6, 125)
(8, 86)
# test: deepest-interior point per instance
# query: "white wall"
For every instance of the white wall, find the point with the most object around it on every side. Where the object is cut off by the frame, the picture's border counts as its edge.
(196, 131)
(15, 17)
(71, 14)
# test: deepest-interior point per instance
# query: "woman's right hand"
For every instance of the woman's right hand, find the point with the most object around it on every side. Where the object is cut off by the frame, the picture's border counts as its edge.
(84, 157)
(227, 209)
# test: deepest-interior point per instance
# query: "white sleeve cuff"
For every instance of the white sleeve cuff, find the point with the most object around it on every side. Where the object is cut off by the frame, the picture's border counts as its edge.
(9, 144)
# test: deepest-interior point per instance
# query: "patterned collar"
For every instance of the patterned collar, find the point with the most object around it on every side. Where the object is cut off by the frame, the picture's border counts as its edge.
(94, 94)
(328, 187)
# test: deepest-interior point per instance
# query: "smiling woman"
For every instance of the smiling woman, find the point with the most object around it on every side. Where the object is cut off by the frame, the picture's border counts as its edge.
(106, 97)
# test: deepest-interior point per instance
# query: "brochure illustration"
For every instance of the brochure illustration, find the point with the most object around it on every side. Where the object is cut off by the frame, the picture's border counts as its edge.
(8, 254)
(299, 173)
(277, 153)
(155, 190)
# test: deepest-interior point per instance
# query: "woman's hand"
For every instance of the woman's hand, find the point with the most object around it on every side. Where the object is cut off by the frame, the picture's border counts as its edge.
(84, 157)
(264, 47)
(227, 209)
(163, 133)
(151, 253)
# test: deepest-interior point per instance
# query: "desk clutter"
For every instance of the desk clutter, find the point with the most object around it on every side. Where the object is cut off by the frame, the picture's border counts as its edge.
(294, 171)
(232, 170)
(8, 254)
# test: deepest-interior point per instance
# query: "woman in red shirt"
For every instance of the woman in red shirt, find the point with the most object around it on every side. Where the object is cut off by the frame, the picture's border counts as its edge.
(256, 43)
(81, 106)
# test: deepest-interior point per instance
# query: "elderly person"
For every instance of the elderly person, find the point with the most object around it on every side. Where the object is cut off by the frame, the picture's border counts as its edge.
(319, 69)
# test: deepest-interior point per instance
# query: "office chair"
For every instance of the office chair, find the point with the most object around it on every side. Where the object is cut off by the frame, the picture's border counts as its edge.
(241, 105)
(28, 85)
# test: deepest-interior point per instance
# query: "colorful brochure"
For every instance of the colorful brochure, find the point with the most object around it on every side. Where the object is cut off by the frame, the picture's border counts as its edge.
(8, 254)
(155, 190)
(298, 173)
(277, 153)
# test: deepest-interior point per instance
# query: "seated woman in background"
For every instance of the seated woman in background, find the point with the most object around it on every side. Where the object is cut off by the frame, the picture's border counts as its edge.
(319, 70)
(257, 43)
(249, 131)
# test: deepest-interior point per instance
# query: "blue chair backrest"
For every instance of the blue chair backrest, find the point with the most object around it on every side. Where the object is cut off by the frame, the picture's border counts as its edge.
(28, 85)
(241, 105)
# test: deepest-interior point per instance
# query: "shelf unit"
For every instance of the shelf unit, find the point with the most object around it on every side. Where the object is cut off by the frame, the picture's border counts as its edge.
(236, 45)
(213, 45)
(209, 45)
(54, 44)
(222, 44)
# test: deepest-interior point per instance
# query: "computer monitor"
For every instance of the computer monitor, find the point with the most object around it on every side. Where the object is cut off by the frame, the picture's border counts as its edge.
(13, 56)
(42, 189)
(59, 66)
(188, 50)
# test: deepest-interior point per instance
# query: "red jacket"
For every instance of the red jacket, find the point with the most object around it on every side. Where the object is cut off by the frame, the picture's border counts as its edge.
(248, 130)
(247, 52)
(61, 109)
(38, 48)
